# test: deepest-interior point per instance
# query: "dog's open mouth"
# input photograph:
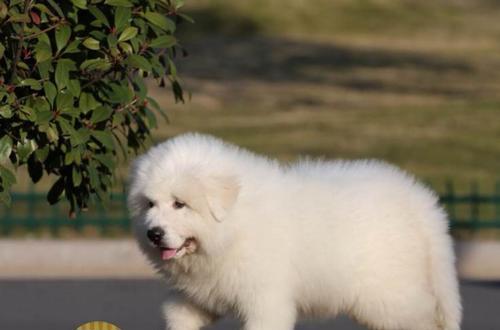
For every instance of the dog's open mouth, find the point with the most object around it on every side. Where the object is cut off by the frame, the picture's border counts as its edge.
(188, 247)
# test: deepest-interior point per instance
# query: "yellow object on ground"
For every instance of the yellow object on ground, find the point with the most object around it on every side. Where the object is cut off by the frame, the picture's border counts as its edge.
(98, 325)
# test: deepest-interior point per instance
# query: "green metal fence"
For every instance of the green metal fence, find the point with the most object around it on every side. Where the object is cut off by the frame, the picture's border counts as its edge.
(472, 210)
(31, 215)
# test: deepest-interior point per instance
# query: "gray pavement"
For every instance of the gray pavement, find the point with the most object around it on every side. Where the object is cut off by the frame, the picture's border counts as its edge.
(135, 305)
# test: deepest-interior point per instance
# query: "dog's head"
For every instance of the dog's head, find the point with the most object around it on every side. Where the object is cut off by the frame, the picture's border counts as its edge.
(179, 202)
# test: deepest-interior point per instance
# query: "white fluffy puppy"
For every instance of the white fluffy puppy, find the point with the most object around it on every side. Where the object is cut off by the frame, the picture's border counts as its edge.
(237, 233)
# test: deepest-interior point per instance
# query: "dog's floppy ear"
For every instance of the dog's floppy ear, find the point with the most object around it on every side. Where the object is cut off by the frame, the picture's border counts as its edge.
(221, 193)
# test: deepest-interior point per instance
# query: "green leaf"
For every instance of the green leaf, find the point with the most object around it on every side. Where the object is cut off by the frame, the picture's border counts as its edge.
(152, 123)
(91, 43)
(98, 35)
(118, 3)
(76, 176)
(66, 126)
(177, 90)
(112, 41)
(3, 10)
(79, 28)
(44, 38)
(5, 148)
(34, 84)
(99, 15)
(64, 101)
(165, 41)
(44, 69)
(100, 114)
(157, 67)
(120, 94)
(7, 176)
(2, 50)
(77, 156)
(5, 198)
(105, 160)
(122, 17)
(40, 103)
(6, 111)
(126, 47)
(93, 176)
(179, 4)
(27, 113)
(42, 153)
(73, 47)
(186, 17)
(137, 61)
(62, 37)
(95, 64)
(139, 87)
(161, 21)
(136, 45)
(35, 168)
(88, 102)
(157, 107)
(172, 68)
(43, 117)
(50, 91)
(24, 150)
(105, 138)
(52, 134)
(62, 74)
(54, 5)
(87, 64)
(55, 191)
(128, 33)
(82, 4)
(43, 52)
(19, 18)
(43, 9)
(23, 65)
(74, 87)
(79, 137)
(68, 158)
(154, 104)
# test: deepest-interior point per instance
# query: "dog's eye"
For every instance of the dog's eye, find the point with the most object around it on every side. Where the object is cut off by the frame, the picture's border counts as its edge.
(151, 204)
(178, 205)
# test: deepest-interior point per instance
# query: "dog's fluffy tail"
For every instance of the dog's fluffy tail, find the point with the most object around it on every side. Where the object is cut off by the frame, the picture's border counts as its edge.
(442, 272)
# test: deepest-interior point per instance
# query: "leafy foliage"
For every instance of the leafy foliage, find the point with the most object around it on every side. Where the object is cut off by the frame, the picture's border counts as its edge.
(72, 88)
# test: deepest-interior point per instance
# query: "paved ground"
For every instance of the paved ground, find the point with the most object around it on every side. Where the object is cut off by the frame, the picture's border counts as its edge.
(134, 305)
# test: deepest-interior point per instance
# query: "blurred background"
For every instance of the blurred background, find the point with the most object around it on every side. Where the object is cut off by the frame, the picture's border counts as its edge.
(416, 83)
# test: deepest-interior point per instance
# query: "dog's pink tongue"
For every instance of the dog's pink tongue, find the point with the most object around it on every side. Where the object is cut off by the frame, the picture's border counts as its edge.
(167, 254)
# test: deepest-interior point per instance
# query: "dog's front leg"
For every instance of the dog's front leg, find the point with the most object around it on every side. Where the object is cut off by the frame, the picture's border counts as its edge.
(180, 314)
(270, 312)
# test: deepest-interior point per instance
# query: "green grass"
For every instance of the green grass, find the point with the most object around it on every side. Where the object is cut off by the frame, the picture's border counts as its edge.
(437, 144)
(341, 17)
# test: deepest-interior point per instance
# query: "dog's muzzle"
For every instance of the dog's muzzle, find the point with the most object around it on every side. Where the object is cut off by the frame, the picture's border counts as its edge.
(155, 235)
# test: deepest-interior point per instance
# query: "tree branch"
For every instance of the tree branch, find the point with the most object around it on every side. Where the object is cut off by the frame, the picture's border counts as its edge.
(13, 76)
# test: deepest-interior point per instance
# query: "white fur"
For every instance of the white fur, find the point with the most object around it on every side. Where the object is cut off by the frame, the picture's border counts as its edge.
(311, 239)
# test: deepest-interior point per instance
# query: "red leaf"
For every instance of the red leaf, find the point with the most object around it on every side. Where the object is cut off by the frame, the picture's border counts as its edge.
(35, 18)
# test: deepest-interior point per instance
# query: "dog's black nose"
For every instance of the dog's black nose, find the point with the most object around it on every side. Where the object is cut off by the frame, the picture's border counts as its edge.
(155, 235)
